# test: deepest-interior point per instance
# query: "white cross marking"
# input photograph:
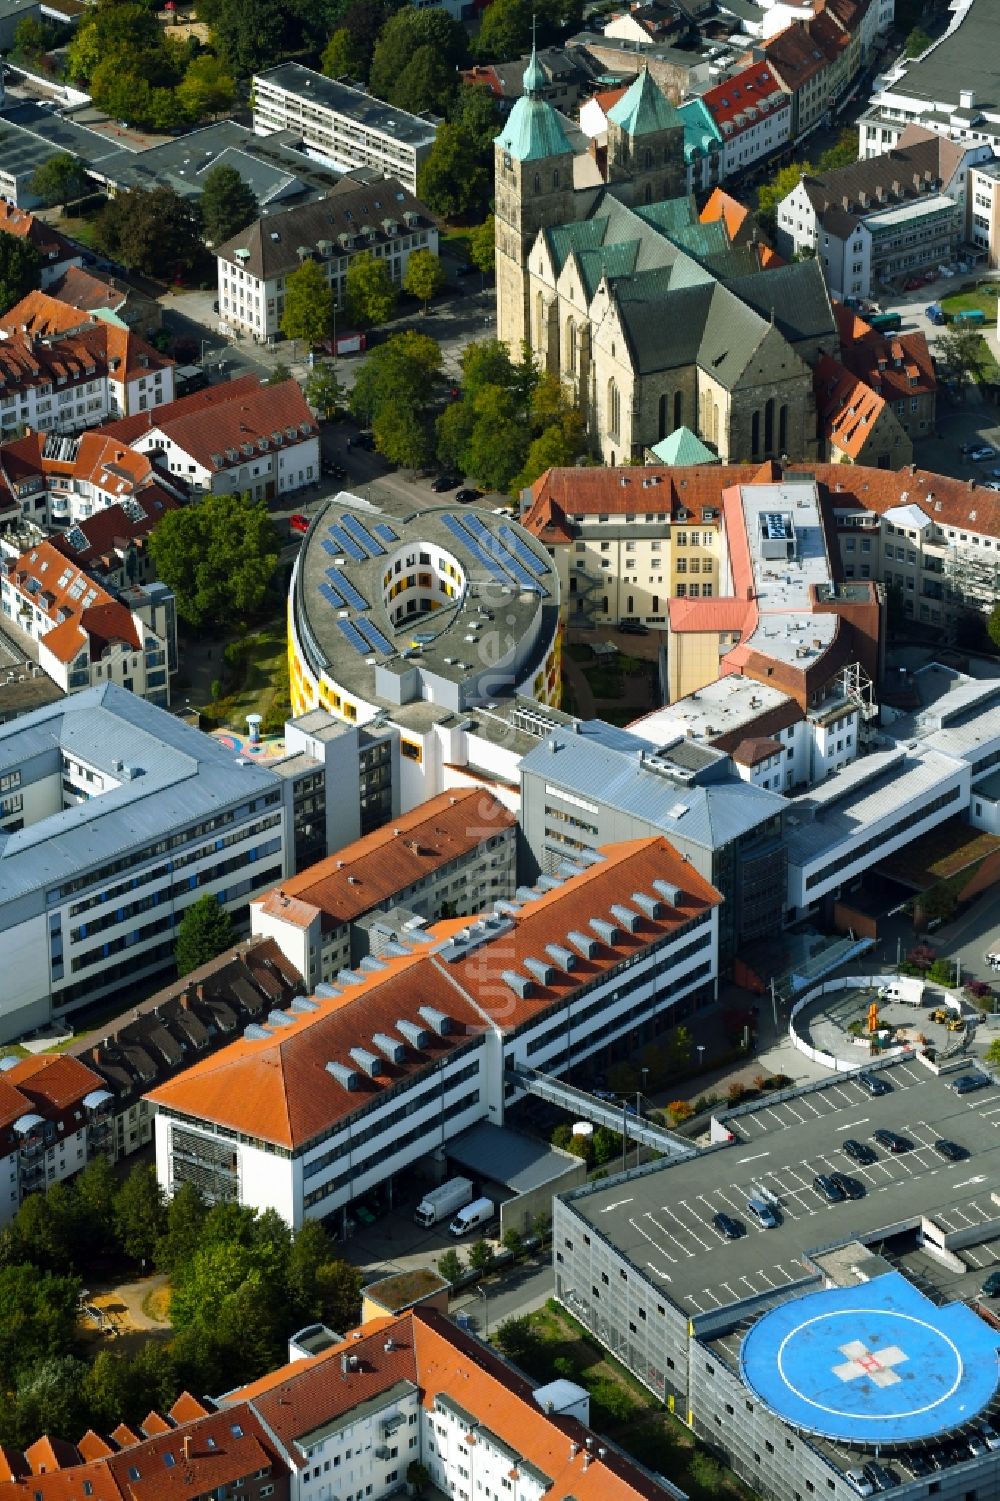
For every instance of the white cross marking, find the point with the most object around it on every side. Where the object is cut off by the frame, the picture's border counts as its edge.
(864, 1362)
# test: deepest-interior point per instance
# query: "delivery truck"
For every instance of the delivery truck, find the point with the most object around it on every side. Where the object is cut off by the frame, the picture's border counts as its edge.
(473, 1217)
(443, 1201)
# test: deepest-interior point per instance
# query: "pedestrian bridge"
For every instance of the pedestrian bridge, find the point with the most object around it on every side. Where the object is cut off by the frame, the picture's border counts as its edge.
(615, 1115)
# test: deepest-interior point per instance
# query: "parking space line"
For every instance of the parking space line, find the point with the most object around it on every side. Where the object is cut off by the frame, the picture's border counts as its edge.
(800, 1118)
(807, 1103)
(673, 1233)
(695, 1304)
(738, 1206)
(708, 1293)
(658, 1245)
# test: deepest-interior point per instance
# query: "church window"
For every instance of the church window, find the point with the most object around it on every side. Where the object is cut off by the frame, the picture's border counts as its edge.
(555, 178)
(537, 182)
(677, 409)
(769, 425)
(663, 417)
(647, 193)
(783, 427)
(614, 408)
(570, 346)
(647, 159)
(755, 435)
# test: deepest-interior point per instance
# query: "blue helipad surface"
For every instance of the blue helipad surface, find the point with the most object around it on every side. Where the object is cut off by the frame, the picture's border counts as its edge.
(873, 1364)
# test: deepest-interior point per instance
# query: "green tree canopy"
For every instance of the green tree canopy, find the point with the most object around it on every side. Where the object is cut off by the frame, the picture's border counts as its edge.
(140, 1217)
(253, 35)
(60, 179)
(482, 245)
(342, 57)
(32, 38)
(185, 1219)
(218, 558)
(309, 304)
(771, 193)
(205, 930)
(455, 177)
(424, 276)
(37, 1317)
(20, 270)
(993, 626)
(49, 1397)
(394, 391)
(42, 1231)
(417, 57)
(323, 391)
(917, 42)
(157, 232)
(338, 1287)
(477, 113)
(961, 349)
(371, 294)
(207, 88)
(228, 204)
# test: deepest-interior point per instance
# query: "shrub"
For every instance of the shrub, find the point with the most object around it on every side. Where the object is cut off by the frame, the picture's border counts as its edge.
(922, 957)
(680, 1110)
(614, 1399)
(216, 690)
(942, 972)
(761, 1081)
(450, 1265)
(735, 1092)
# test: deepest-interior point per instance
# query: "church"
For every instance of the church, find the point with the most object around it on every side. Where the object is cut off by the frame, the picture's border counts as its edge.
(654, 319)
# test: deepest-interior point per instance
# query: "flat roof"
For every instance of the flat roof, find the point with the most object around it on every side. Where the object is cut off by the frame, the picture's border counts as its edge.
(268, 164)
(341, 99)
(782, 585)
(916, 208)
(726, 704)
(661, 1219)
(964, 58)
(504, 1156)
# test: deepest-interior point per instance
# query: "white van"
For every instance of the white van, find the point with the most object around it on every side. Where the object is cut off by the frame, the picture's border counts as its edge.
(472, 1217)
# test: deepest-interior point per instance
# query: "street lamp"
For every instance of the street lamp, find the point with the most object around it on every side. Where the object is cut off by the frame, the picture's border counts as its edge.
(486, 1311)
(201, 359)
(701, 1054)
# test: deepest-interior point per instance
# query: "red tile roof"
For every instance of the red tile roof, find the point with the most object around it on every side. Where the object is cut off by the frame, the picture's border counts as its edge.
(366, 873)
(209, 1453)
(225, 417)
(109, 531)
(848, 409)
(53, 1080)
(50, 244)
(756, 89)
(80, 611)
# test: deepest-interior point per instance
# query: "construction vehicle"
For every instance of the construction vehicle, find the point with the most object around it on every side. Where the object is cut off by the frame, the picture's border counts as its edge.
(956, 1024)
(942, 1014)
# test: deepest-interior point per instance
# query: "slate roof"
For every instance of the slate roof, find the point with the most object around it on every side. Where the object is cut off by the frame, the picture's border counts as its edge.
(272, 243)
(795, 295)
(533, 132)
(966, 58)
(644, 109)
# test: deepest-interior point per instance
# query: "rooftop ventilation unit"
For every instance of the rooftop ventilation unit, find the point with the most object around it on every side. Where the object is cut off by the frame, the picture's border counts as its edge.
(300, 1004)
(519, 984)
(326, 991)
(648, 904)
(349, 1078)
(370, 1062)
(348, 977)
(370, 964)
(568, 868)
(670, 893)
(278, 1019)
(629, 920)
(505, 908)
(606, 931)
(390, 1047)
(543, 973)
(561, 956)
(583, 943)
(527, 894)
(436, 1020)
(255, 1033)
(417, 1037)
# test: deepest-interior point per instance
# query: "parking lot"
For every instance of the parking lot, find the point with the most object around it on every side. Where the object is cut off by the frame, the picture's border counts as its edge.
(665, 1221)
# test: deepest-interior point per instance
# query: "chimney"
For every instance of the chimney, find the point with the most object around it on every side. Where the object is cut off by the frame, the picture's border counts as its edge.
(574, 1450)
(187, 1447)
(586, 1462)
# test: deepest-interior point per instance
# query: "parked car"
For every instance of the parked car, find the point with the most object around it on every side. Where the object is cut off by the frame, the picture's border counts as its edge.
(298, 522)
(977, 1445)
(728, 1226)
(633, 628)
(859, 1482)
(874, 1083)
(990, 1435)
(966, 1083)
(918, 1464)
(763, 1213)
(467, 496)
(982, 453)
(880, 1477)
(991, 1287)
(444, 483)
(860, 1151)
(852, 1188)
(950, 1150)
(831, 1191)
(892, 1140)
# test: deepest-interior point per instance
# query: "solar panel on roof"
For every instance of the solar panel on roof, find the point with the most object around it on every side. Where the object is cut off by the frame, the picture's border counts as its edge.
(329, 548)
(347, 544)
(467, 540)
(333, 587)
(363, 536)
(495, 549)
(355, 600)
(354, 637)
(383, 530)
(374, 636)
(520, 549)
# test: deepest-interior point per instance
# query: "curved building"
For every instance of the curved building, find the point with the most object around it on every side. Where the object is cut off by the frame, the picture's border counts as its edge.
(450, 606)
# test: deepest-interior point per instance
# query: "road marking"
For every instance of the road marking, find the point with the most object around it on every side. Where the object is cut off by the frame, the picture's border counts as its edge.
(754, 1158)
(665, 1275)
(853, 1125)
(616, 1205)
(969, 1182)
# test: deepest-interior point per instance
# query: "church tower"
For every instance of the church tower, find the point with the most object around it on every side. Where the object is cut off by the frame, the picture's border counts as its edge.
(646, 145)
(533, 178)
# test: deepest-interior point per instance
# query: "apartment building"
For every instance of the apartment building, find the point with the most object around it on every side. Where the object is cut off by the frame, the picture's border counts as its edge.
(63, 368)
(753, 114)
(236, 438)
(358, 1082)
(188, 1019)
(86, 633)
(899, 213)
(802, 67)
(380, 219)
(455, 853)
(54, 1118)
(857, 424)
(983, 198)
(57, 254)
(52, 481)
(340, 125)
(115, 817)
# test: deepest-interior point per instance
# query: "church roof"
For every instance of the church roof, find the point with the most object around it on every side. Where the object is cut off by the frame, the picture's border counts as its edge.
(533, 131)
(645, 109)
(796, 296)
(682, 448)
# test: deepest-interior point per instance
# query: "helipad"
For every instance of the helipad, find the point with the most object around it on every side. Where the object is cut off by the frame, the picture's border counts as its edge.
(873, 1364)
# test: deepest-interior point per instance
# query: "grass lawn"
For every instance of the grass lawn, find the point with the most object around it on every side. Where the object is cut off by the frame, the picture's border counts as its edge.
(156, 1304)
(967, 302)
(255, 681)
(456, 243)
(989, 370)
(622, 1409)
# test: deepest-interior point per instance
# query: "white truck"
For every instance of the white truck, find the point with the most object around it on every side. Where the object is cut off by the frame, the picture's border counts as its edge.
(443, 1201)
(907, 989)
(480, 1212)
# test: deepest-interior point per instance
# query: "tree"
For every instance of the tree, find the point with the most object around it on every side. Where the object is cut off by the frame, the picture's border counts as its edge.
(310, 1250)
(107, 1390)
(324, 392)
(140, 1218)
(454, 178)
(393, 391)
(157, 231)
(418, 1476)
(204, 931)
(41, 1232)
(308, 311)
(185, 1221)
(917, 42)
(32, 38)
(424, 276)
(417, 57)
(38, 1313)
(95, 1189)
(342, 58)
(49, 1397)
(20, 270)
(513, 1241)
(992, 1054)
(961, 350)
(371, 295)
(279, 374)
(505, 31)
(450, 1265)
(771, 193)
(228, 204)
(338, 1287)
(59, 180)
(843, 152)
(519, 1340)
(483, 244)
(208, 88)
(482, 1257)
(251, 35)
(477, 113)
(217, 557)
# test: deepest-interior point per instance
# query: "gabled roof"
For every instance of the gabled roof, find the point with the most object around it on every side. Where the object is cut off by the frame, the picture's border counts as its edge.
(848, 409)
(216, 433)
(644, 109)
(50, 244)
